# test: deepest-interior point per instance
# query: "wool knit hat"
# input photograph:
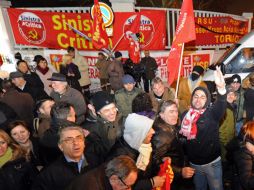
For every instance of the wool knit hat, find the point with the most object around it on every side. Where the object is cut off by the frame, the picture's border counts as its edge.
(118, 54)
(136, 128)
(101, 99)
(128, 79)
(235, 78)
(198, 69)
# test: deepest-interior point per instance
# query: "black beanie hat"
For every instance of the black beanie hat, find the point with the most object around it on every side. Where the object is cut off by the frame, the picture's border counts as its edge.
(200, 70)
(118, 54)
(207, 93)
(235, 78)
(101, 99)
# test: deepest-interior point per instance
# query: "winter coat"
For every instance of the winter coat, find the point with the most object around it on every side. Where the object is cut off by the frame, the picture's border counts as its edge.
(248, 103)
(17, 175)
(105, 134)
(37, 93)
(95, 179)
(244, 160)
(227, 130)
(102, 66)
(135, 70)
(169, 94)
(205, 148)
(240, 104)
(149, 66)
(73, 81)
(124, 100)
(21, 103)
(166, 143)
(58, 175)
(7, 115)
(34, 80)
(116, 73)
(83, 67)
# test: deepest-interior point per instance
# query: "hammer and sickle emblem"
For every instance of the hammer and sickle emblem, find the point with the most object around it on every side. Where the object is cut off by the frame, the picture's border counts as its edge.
(33, 34)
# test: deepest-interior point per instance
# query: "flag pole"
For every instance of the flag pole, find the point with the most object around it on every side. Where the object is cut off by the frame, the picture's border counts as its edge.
(179, 72)
(117, 43)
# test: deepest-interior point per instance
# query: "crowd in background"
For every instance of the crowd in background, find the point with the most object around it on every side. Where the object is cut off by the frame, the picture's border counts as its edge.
(55, 134)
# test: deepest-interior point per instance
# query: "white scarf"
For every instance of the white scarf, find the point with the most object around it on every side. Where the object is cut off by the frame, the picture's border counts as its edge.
(143, 160)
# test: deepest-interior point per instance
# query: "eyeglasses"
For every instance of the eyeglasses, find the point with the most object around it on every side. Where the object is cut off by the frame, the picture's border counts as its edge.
(72, 140)
(126, 186)
(2, 143)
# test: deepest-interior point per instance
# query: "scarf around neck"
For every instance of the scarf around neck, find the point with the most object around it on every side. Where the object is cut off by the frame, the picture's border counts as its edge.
(43, 71)
(143, 160)
(6, 157)
(189, 124)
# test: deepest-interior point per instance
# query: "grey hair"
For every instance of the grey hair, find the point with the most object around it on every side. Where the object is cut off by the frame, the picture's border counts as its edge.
(156, 80)
(121, 166)
(69, 128)
(165, 104)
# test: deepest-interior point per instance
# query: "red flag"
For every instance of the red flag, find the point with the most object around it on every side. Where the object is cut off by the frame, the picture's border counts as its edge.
(166, 170)
(99, 37)
(135, 25)
(185, 32)
(134, 49)
(130, 33)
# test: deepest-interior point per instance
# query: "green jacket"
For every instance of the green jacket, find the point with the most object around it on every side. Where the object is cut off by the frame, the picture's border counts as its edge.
(240, 103)
(124, 100)
(227, 130)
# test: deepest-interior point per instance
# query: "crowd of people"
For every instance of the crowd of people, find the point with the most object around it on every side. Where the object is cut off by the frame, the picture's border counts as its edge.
(55, 134)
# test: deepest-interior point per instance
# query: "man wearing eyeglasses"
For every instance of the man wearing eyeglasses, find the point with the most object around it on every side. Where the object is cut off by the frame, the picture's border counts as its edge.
(118, 174)
(72, 163)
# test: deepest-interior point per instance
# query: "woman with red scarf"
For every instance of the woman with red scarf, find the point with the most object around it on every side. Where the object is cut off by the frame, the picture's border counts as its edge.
(44, 72)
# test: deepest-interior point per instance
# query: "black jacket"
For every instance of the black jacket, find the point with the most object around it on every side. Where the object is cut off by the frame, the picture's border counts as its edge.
(17, 175)
(166, 143)
(206, 146)
(37, 93)
(59, 174)
(95, 179)
(72, 80)
(244, 161)
(34, 80)
(121, 147)
(105, 134)
(248, 104)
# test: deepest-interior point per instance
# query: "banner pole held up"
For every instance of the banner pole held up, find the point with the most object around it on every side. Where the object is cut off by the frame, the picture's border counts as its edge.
(179, 72)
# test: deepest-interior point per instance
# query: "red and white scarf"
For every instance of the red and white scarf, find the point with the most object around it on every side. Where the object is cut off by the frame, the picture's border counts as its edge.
(189, 123)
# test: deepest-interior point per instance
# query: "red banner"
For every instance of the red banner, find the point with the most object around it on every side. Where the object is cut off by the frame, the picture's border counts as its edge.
(152, 29)
(50, 29)
(219, 30)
